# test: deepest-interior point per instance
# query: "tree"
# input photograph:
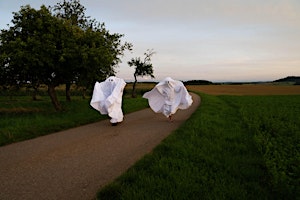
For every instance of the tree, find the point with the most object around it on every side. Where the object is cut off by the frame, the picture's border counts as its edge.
(73, 13)
(142, 68)
(101, 53)
(42, 48)
(98, 50)
(31, 49)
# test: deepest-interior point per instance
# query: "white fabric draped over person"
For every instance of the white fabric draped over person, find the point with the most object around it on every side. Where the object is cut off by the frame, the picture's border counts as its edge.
(107, 98)
(168, 96)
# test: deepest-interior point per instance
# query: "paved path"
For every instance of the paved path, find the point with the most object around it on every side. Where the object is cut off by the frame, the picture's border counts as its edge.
(75, 163)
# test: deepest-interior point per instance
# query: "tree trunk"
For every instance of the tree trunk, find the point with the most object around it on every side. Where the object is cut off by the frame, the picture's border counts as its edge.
(133, 95)
(53, 97)
(34, 93)
(68, 95)
(83, 92)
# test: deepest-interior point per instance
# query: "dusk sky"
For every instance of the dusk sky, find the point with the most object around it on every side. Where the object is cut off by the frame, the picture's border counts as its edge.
(216, 40)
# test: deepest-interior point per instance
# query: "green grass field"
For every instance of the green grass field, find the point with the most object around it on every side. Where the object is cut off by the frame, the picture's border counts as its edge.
(232, 147)
(23, 118)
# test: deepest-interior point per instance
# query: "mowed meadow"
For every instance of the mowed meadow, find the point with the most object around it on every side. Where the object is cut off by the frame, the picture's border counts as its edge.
(243, 142)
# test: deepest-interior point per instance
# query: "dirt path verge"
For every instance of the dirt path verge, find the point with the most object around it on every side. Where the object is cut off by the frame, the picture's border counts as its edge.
(75, 163)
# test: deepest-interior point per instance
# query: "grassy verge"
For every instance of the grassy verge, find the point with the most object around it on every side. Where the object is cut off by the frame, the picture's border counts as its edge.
(23, 118)
(224, 151)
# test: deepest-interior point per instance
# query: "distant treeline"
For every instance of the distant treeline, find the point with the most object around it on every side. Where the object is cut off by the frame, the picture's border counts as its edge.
(190, 82)
(295, 79)
(198, 82)
(291, 79)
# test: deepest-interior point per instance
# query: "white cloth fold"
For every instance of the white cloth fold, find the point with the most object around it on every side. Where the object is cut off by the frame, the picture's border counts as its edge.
(168, 96)
(107, 98)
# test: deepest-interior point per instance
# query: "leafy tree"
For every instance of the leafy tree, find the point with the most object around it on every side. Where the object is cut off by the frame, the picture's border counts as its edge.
(73, 14)
(43, 48)
(98, 50)
(72, 11)
(142, 68)
(36, 48)
(101, 52)
(31, 49)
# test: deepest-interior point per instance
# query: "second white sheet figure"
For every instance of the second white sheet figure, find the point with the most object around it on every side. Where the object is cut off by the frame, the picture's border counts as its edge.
(168, 96)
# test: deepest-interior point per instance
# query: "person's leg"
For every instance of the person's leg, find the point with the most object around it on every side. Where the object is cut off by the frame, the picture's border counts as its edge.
(113, 122)
(170, 118)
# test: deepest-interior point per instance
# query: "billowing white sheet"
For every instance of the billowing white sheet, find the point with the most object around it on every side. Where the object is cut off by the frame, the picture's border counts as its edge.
(168, 96)
(107, 98)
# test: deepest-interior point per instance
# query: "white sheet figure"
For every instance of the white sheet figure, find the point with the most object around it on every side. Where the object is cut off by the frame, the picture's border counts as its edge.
(107, 98)
(168, 96)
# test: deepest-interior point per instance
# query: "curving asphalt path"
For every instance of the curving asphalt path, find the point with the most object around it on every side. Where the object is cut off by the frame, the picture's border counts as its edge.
(76, 163)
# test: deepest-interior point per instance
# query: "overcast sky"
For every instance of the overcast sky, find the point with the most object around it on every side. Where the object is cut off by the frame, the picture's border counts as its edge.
(215, 40)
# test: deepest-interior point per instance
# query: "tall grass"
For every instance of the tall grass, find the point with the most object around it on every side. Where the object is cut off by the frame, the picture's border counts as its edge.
(219, 154)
